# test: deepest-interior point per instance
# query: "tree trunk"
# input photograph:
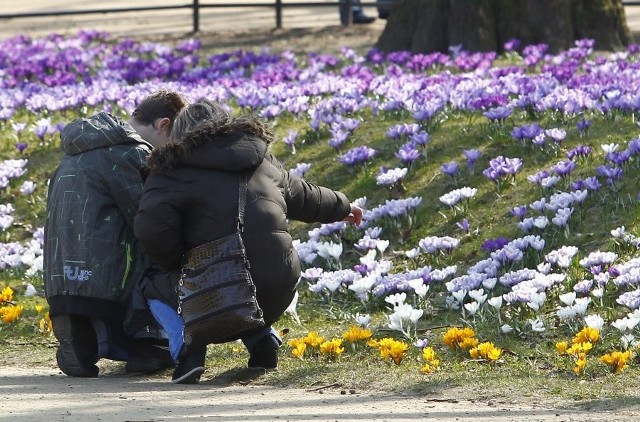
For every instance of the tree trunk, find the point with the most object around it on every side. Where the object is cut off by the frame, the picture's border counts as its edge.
(423, 26)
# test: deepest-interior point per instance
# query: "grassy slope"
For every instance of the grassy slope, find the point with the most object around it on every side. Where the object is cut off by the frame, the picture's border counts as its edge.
(529, 364)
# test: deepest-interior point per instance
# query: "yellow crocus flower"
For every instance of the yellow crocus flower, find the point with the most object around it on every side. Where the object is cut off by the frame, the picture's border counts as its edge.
(10, 313)
(356, 333)
(587, 334)
(562, 347)
(6, 294)
(313, 339)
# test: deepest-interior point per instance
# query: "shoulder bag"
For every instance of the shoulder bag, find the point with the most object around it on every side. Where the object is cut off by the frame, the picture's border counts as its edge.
(217, 297)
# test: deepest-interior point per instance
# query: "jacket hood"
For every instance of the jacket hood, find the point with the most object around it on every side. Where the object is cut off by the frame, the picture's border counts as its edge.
(212, 147)
(98, 131)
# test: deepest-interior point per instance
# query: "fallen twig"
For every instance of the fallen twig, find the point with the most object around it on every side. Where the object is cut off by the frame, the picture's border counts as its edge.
(322, 387)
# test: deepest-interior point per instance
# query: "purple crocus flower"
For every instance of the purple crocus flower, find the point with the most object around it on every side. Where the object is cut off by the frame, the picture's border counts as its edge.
(407, 154)
(612, 174)
(512, 45)
(558, 135)
(538, 177)
(290, 140)
(583, 126)
(357, 155)
(338, 138)
(634, 146)
(513, 165)
(630, 299)
(531, 131)
(41, 129)
(450, 168)
(581, 151)
(463, 225)
(471, 155)
(590, 183)
(619, 158)
(421, 138)
(301, 169)
(498, 114)
(492, 245)
(516, 133)
(564, 168)
(519, 211)
(21, 146)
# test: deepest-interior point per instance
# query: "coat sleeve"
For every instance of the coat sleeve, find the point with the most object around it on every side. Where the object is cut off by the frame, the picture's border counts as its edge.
(311, 203)
(157, 226)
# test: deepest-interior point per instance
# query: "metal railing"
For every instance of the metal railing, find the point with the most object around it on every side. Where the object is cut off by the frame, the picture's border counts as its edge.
(196, 6)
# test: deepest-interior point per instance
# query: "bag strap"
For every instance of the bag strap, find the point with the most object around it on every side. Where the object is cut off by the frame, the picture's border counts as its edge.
(242, 199)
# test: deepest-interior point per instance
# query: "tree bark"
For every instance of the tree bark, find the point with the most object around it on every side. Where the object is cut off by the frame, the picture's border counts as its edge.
(423, 26)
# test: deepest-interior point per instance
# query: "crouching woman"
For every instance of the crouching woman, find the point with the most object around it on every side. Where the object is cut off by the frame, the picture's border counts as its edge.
(191, 198)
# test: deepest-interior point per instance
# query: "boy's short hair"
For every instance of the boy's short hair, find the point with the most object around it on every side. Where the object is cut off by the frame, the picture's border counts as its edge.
(160, 104)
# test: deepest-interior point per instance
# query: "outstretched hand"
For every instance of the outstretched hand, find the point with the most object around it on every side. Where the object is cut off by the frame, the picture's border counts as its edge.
(355, 216)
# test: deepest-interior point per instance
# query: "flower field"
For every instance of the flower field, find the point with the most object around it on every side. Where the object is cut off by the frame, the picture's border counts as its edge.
(501, 191)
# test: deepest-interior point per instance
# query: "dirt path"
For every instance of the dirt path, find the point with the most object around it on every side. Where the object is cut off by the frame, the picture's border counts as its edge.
(43, 393)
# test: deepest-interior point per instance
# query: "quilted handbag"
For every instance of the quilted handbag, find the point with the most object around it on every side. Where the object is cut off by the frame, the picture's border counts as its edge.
(216, 294)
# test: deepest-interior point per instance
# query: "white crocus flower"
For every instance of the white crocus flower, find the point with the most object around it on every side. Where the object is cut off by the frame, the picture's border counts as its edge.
(332, 283)
(567, 313)
(395, 322)
(582, 304)
(418, 286)
(598, 292)
(544, 268)
(363, 319)
(413, 253)
(329, 250)
(568, 298)
(536, 300)
(618, 232)
(362, 287)
(541, 222)
(628, 341)
(537, 325)
(594, 321)
(396, 300)
(382, 245)
(472, 307)
(31, 291)
(403, 316)
(27, 187)
(369, 259)
(496, 302)
(506, 328)
(489, 283)
(459, 295)
(478, 295)
(292, 308)
(622, 324)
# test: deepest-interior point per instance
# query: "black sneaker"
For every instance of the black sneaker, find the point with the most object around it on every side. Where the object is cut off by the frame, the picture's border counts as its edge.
(361, 18)
(148, 356)
(190, 367)
(78, 349)
(264, 354)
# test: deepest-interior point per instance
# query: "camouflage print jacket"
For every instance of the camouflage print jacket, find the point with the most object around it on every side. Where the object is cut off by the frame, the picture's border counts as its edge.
(91, 258)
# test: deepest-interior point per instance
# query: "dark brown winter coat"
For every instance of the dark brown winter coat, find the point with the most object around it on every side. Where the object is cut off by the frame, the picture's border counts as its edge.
(191, 195)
